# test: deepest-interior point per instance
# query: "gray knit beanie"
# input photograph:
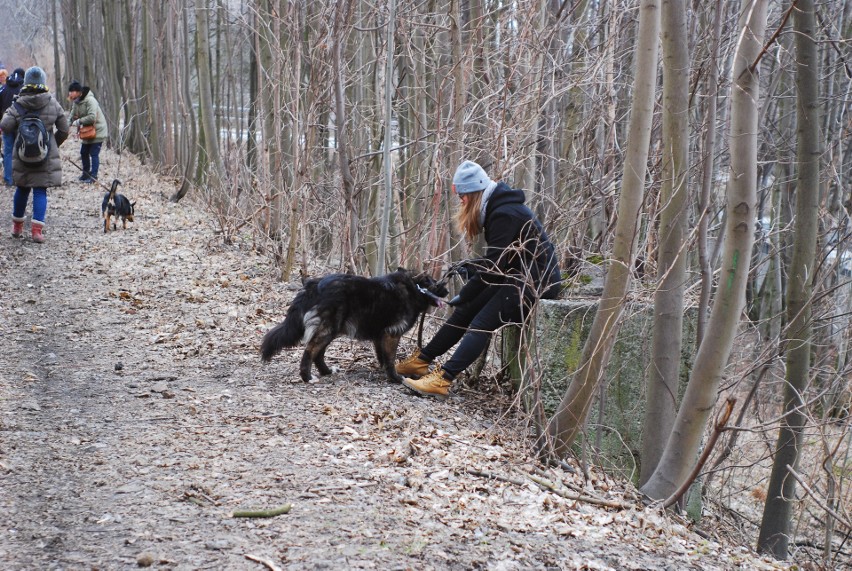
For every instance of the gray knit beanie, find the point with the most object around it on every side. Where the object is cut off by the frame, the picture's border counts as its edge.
(35, 76)
(470, 177)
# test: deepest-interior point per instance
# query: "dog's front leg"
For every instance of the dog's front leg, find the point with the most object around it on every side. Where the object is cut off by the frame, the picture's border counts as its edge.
(386, 354)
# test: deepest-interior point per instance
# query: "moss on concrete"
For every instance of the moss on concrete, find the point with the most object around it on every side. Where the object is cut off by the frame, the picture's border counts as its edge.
(561, 328)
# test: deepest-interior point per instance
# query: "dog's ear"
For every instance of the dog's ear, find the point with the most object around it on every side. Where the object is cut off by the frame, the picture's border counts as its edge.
(424, 280)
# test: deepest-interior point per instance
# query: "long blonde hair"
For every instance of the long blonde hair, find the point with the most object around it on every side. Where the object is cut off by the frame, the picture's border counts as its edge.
(468, 217)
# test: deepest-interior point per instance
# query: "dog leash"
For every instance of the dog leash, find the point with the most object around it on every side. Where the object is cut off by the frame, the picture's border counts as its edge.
(97, 181)
(453, 270)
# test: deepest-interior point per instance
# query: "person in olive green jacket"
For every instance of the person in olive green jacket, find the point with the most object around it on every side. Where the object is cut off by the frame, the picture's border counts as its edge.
(87, 111)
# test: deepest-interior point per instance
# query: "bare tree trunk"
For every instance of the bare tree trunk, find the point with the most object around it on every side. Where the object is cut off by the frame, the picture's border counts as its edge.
(387, 200)
(575, 405)
(455, 130)
(57, 69)
(296, 132)
(215, 172)
(109, 82)
(476, 128)
(605, 130)
(708, 170)
(72, 44)
(150, 117)
(684, 441)
(134, 138)
(186, 142)
(434, 170)
(530, 66)
(415, 169)
(771, 296)
(350, 230)
(774, 535)
(664, 374)
(269, 63)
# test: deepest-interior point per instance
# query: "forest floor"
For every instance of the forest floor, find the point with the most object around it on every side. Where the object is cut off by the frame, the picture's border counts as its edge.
(136, 417)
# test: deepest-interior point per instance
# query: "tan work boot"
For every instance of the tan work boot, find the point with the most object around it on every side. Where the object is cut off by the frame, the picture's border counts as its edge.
(435, 384)
(413, 366)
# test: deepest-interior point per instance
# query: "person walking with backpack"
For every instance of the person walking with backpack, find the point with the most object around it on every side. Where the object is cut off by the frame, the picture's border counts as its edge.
(7, 96)
(41, 126)
(87, 111)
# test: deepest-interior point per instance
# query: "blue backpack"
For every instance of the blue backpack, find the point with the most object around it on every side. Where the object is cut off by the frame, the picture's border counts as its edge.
(32, 143)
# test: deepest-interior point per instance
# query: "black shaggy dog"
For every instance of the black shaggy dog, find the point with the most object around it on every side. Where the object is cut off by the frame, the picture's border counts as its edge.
(115, 206)
(380, 310)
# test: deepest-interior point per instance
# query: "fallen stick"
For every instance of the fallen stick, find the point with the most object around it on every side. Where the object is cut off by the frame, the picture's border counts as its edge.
(559, 491)
(272, 566)
(262, 513)
(492, 476)
(551, 487)
(342, 487)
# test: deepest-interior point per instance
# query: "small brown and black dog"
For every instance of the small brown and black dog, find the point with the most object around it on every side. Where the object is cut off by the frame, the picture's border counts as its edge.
(115, 206)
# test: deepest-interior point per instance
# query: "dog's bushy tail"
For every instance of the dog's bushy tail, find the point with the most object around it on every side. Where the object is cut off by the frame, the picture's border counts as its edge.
(289, 332)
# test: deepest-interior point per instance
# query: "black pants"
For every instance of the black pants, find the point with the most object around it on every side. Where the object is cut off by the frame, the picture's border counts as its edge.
(473, 323)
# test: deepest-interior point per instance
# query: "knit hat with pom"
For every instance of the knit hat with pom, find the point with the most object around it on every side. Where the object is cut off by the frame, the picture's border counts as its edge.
(35, 76)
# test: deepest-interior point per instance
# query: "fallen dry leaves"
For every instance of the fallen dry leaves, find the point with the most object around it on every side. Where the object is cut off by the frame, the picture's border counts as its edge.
(136, 418)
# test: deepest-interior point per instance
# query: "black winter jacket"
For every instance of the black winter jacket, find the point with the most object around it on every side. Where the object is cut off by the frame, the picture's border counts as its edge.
(517, 249)
(13, 86)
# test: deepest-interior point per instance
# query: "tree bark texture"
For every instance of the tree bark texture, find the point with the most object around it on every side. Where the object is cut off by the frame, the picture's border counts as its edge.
(684, 441)
(774, 535)
(664, 373)
(574, 407)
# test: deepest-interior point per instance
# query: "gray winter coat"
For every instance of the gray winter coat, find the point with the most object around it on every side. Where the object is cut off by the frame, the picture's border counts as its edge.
(55, 121)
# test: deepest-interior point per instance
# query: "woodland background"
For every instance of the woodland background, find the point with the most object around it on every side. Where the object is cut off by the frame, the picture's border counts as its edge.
(326, 133)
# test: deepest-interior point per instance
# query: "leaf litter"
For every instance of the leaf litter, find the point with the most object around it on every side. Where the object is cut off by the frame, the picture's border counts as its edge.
(136, 418)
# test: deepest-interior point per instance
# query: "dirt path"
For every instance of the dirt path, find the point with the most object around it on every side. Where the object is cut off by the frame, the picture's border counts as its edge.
(135, 417)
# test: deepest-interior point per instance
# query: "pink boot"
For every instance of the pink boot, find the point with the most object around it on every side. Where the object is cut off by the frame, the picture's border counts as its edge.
(17, 228)
(38, 237)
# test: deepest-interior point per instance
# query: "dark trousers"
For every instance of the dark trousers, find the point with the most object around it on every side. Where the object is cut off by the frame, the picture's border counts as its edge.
(473, 323)
(8, 144)
(90, 156)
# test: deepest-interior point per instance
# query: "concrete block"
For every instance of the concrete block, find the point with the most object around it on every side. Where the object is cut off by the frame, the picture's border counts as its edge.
(552, 354)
